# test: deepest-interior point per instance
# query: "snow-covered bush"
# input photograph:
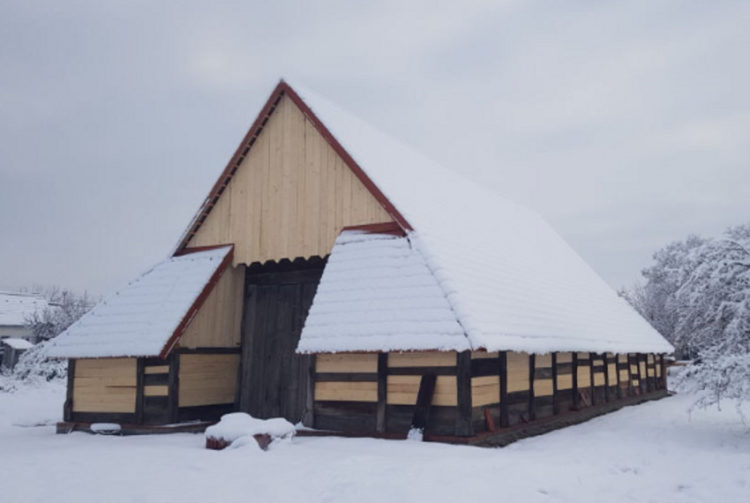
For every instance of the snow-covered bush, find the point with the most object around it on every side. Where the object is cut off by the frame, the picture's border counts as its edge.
(34, 366)
(64, 308)
(697, 294)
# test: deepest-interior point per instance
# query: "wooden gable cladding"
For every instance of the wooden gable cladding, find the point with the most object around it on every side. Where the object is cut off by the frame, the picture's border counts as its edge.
(290, 197)
(217, 322)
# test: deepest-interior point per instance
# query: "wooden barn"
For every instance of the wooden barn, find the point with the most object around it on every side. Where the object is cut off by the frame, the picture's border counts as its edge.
(334, 276)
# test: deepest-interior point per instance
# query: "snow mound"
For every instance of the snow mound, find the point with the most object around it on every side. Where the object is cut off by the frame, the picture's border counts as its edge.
(239, 426)
(106, 428)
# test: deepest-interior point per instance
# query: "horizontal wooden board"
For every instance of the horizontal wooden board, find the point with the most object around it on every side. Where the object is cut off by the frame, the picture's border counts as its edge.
(156, 390)
(343, 391)
(104, 385)
(157, 369)
(346, 362)
(485, 390)
(599, 379)
(207, 379)
(542, 387)
(543, 361)
(584, 377)
(564, 357)
(402, 390)
(518, 371)
(475, 355)
(422, 359)
(564, 381)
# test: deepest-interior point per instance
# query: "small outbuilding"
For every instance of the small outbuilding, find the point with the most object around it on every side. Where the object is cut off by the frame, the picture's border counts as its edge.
(336, 277)
(11, 349)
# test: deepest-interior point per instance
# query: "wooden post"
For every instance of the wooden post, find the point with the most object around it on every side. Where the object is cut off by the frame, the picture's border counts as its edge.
(555, 404)
(574, 378)
(617, 373)
(464, 423)
(663, 372)
(591, 378)
(139, 390)
(424, 402)
(638, 368)
(503, 362)
(380, 419)
(68, 405)
(173, 387)
(606, 377)
(532, 401)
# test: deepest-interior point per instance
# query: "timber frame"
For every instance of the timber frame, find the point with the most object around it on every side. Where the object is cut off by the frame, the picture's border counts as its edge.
(352, 393)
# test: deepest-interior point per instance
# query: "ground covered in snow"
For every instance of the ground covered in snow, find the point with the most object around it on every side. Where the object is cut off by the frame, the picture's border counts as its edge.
(651, 452)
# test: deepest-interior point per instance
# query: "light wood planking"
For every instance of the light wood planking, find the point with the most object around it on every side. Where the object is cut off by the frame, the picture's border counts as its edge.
(347, 362)
(542, 387)
(104, 385)
(217, 322)
(422, 359)
(518, 371)
(402, 390)
(156, 369)
(543, 361)
(477, 355)
(564, 381)
(290, 197)
(156, 390)
(346, 391)
(564, 357)
(485, 390)
(584, 376)
(207, 379)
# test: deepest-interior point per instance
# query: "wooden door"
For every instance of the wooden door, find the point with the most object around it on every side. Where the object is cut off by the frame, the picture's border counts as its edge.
(274, 380)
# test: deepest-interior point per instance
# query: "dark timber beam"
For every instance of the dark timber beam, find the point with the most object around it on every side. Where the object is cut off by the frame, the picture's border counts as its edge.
(532, 401)
(591, 377)
(555, 402)
(503, 363)
(424, 402)
(574, 377)
(464, 424)
(68, 406)
(606, 377)
(174, 386)
(139, 390)
(380, 414)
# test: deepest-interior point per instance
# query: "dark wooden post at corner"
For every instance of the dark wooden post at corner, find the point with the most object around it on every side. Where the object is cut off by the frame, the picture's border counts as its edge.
(464, 423)
(68, 406)
(591, 377)
(380, 420)
(606, 377)
(503, 363)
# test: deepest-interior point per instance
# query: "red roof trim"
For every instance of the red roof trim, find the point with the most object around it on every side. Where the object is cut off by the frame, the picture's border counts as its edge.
(193, 310)
(281, 89)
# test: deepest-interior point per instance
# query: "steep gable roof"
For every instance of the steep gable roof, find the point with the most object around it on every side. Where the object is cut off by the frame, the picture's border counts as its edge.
(512, 281)
(147, 316)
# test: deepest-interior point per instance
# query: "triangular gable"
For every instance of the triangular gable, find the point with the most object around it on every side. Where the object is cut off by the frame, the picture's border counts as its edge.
(148, 316)
(282, 90)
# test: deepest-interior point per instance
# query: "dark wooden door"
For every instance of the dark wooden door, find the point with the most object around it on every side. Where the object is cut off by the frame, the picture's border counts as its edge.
(274, 380)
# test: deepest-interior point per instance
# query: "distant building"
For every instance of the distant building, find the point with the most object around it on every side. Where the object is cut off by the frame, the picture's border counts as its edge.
(15, 311)
(11, 349)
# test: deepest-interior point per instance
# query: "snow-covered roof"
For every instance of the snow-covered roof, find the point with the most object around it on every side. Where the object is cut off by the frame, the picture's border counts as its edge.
(140, 319)
(16, 343)
(16, 308)
(511, 280)
(376, 293)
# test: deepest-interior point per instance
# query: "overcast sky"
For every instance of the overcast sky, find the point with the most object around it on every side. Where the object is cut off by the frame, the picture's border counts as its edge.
(626, 124)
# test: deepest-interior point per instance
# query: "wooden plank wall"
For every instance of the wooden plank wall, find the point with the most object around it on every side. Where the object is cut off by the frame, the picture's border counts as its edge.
(104, 385)
(218, 322)
(290, 197)
(207, 379)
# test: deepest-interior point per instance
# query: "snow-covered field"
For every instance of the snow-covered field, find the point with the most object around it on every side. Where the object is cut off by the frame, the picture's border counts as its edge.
(652, 452)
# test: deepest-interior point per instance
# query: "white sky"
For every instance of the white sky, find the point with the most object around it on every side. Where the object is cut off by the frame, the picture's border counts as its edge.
(626, 124)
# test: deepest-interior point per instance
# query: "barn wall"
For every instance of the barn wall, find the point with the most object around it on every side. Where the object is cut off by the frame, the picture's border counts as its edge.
(104, 385)
(217, 323)
(207, 379)
(290, 197)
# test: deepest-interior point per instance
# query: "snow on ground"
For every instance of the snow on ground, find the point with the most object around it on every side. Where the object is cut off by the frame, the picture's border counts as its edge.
(651, 452)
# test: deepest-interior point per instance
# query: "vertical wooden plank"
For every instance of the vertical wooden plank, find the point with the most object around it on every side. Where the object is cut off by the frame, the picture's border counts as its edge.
(532, 373)
(174, 386)
(575, 380)
(555, 404)
(638, 371)
(139, 391)
(617, 374)
(503, 363)
(68, 405)
(663, 382)
(380, 419)
(464, 425)
(308, 417)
